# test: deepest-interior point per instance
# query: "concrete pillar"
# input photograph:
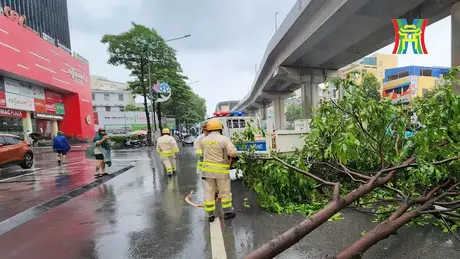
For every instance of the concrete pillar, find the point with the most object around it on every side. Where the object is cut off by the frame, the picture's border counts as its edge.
(455, 40)
(263, 112)
(309, 97)
(280, 117)
(27, 123)
(54, 128)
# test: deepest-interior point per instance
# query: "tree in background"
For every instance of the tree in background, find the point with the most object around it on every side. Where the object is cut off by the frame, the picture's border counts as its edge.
(135, 50)
(293, 113)
(133, 108)
(371, 86)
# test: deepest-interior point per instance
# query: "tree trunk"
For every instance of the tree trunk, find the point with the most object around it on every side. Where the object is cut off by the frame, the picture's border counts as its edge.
(379, 233)
(146, 107)
(296, 233)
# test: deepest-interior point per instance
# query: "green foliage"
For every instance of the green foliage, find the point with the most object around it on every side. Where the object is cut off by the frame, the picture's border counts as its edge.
(365, 134)
(293, 113)
(133, 108)
(141, 48)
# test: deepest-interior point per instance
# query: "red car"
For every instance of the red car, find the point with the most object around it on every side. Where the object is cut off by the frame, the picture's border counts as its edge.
(15, 151)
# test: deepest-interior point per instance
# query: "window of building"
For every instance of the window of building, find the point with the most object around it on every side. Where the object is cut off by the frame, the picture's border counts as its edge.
(120, 97)
(107, 108)
(122, 109)
(392, 77)
(11, 125)
(106, 97)
(236, 124)
(229, 124)
(242, 124)
(403, 74)
(426, 72)
(93, 96)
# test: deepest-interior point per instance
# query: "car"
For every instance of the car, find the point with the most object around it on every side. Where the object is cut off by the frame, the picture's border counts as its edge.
(15, 151)
(188, 141)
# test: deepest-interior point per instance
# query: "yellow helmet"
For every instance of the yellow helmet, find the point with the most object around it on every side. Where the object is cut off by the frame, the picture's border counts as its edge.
(166, 131)
(214, 125)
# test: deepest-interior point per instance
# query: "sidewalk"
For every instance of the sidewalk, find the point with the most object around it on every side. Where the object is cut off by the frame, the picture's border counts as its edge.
(49, 149)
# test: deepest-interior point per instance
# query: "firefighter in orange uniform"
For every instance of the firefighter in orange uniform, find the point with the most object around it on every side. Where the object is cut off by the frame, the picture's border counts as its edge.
(215, 169)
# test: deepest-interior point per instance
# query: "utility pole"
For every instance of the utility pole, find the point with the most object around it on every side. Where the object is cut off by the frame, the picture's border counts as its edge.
(153, 101)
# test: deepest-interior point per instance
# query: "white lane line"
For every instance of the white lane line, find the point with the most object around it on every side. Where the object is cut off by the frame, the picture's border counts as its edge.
(22, 175)
(217, 241)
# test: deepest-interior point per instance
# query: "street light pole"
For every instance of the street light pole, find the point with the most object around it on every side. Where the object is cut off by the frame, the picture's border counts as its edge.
(152, 100)
(276, 21)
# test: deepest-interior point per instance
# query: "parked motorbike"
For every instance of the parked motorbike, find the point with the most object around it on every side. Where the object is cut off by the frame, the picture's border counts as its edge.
(131, 144)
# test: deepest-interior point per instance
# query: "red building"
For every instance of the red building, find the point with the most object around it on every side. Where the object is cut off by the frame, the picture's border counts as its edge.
(43, 87)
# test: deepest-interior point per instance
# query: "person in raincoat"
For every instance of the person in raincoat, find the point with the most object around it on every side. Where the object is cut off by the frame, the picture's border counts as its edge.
(102, 152)
(167, 148)
(215, 169)
(61, 147)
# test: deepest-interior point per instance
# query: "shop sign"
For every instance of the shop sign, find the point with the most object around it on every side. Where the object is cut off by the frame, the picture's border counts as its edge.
(60, 108)
(10, 113)
(64, 47)
(16, 87)
(76, 75)
(39, 105)
(19, 102)
(2, 99)
(80, 57)
(48, 38)
(47, 116)
(15, 17)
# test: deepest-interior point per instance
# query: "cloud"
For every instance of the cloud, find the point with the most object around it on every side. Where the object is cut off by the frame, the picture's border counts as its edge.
(228, 37)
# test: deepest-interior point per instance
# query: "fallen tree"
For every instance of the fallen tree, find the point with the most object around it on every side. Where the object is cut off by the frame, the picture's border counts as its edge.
(401, 159)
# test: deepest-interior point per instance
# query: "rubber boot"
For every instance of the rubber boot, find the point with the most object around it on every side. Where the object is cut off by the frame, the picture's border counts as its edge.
(211, 218)
(229, 215)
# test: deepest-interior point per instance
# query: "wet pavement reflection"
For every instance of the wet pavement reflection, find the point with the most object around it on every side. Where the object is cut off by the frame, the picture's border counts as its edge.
(141, 213)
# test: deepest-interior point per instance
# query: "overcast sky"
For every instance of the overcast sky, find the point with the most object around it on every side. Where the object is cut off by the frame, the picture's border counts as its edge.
(228, 38)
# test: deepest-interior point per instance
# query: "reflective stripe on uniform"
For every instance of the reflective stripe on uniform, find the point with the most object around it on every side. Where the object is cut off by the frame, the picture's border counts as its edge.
(226, 202)
(175, 150)
(209, 206)
(211, 167)
(199, 152)
(166, 153)
(169, 169)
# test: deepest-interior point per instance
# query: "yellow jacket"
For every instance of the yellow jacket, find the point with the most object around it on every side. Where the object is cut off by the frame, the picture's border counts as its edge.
(167, 146)
(216, 149)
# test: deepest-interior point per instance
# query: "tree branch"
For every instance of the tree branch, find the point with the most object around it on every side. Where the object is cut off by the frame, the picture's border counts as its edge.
(336, 194)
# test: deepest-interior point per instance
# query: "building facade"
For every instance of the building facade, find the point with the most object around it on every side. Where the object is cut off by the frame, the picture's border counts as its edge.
(47, 18)
(404, 83)
(109, 95)
(43, 88)
(111, 101)
(375, 64)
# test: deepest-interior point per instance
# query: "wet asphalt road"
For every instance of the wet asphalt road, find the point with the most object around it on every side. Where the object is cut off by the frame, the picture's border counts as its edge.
(140, 213)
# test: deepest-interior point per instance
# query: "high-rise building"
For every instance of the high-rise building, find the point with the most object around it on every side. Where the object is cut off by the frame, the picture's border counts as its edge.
(44, 87)
(401, 84)
(48, 18)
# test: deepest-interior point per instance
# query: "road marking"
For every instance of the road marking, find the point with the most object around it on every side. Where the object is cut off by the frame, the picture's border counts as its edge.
(38, 171)
(217, 241)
